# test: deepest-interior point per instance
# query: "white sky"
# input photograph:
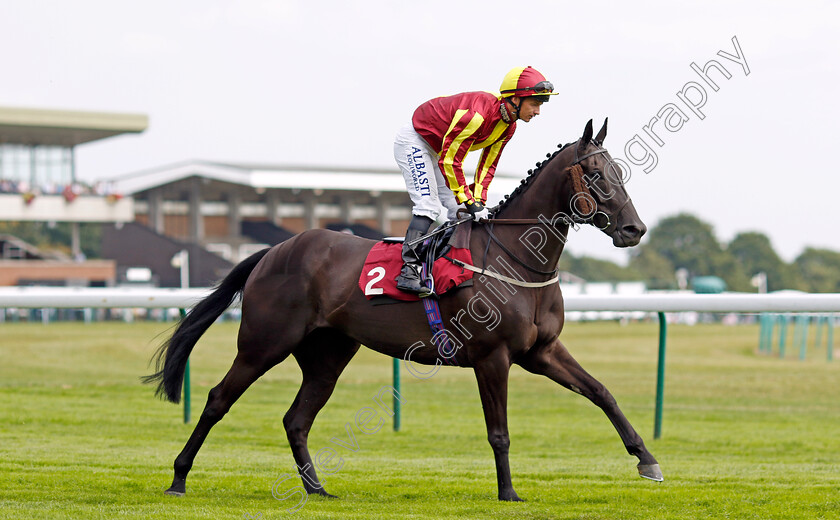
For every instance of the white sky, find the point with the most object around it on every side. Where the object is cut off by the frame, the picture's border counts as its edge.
(329, 83)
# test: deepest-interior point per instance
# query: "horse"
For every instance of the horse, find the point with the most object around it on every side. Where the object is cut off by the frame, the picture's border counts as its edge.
(301, 298)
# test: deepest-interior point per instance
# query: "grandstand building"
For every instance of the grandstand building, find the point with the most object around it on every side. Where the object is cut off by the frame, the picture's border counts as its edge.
(235, 209)
(38, 183)
(212, 214)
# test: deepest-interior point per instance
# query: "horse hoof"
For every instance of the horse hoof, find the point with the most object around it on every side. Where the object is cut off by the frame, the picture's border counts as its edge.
(178, 487)
(510, 497)
(322, 493)
(651, 471)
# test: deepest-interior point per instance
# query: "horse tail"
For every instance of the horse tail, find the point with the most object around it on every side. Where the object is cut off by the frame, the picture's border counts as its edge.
(171, 357)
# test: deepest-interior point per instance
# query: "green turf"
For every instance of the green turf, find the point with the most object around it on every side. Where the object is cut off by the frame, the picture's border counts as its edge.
(745, 436)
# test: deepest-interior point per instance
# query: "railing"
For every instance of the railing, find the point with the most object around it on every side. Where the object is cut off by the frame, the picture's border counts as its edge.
(37, 297)
(105, 298)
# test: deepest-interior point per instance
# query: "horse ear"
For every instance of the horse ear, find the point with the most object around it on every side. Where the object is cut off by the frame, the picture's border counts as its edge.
(587, 136)
(602, 133)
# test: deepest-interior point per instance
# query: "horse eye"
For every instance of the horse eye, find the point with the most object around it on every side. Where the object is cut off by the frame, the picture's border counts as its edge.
(595, 178)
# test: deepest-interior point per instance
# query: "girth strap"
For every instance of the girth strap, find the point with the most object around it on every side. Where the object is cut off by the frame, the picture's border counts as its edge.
(446, 348)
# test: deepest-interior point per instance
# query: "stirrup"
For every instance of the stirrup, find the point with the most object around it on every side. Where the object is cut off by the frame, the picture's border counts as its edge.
(410, 281)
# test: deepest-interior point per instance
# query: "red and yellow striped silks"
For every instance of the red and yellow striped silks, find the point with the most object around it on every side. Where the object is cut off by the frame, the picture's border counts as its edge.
(456, 125)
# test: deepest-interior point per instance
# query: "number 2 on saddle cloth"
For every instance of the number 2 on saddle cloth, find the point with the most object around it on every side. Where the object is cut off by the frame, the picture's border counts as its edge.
(378, 280)
(383, 264)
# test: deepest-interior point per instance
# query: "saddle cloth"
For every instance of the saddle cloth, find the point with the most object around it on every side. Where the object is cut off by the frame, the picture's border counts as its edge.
(383, 264)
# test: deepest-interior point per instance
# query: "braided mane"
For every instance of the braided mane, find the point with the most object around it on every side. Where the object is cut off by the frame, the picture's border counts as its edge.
(529, 180)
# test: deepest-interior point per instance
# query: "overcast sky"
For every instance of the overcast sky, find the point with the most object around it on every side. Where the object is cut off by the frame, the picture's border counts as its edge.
(329, 83)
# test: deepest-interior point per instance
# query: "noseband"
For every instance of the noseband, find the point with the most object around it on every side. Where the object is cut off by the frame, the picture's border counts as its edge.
(582, 193)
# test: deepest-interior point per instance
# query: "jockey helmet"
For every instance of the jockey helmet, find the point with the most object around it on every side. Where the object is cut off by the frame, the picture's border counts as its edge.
(525, 82)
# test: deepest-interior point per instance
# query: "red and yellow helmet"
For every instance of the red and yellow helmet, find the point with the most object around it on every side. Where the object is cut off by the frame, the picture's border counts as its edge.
(526, 81)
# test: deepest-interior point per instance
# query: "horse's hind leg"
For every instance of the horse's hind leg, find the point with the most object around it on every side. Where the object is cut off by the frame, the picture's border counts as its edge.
(322, 357)
(238, 378)
(556, 363)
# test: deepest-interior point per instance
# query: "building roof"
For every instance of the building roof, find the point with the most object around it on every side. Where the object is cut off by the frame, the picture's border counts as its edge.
(286, 176)
(35, 126)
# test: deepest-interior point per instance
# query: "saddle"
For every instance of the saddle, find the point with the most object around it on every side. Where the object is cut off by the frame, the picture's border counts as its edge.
(378, 279)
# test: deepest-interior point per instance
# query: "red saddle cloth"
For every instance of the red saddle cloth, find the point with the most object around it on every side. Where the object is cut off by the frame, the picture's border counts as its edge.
(383, 264)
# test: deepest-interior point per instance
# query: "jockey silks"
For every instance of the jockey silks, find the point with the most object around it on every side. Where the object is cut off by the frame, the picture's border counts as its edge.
(456, 125)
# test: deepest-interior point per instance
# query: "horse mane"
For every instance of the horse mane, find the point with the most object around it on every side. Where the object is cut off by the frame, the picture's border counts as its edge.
(529, 180)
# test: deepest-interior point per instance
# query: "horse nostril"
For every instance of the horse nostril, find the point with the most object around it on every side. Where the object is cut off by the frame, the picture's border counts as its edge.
(633, 231)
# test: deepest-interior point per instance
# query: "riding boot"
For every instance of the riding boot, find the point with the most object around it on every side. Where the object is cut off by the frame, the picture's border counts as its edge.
(410, 279)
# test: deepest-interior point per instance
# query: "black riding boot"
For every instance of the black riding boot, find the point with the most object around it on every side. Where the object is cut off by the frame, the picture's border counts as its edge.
(409, 279)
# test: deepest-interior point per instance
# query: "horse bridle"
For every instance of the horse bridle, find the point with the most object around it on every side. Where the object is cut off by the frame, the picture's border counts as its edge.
(578, 219)
(591, 220)
(574, 217)
(491, 222)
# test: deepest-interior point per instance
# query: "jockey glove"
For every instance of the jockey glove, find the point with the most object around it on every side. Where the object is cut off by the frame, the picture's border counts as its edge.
(477, 210)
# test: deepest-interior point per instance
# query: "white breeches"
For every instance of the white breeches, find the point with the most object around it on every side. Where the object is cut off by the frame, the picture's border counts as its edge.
(423, 179)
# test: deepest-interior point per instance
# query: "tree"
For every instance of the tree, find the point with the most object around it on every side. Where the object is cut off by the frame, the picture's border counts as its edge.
(820, 269)
(727, 267)
(687, 242)
(654, 268)
(597, 270)
(755, 254)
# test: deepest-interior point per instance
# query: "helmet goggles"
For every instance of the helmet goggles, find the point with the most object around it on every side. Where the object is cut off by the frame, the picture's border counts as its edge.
(540, 89)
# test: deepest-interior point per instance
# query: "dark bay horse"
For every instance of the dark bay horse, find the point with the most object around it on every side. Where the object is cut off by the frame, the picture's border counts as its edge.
(301, 298)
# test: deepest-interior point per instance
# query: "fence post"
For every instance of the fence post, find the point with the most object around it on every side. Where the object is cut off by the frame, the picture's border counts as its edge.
(795, 319)
(762, 333)
(771, 324)
(803, 339)
(186, 381)
(398, 392)
(660, 377)
(818, 333)
(783, 332)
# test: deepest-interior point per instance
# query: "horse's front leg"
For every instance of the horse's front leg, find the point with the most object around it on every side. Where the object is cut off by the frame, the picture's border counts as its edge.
(556, 363)
(492, 375)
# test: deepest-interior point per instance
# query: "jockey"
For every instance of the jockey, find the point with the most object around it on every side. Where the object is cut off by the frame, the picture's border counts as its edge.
(430, 151)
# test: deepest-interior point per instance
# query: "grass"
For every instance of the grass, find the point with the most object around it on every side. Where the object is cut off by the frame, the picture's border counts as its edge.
(744, 436)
